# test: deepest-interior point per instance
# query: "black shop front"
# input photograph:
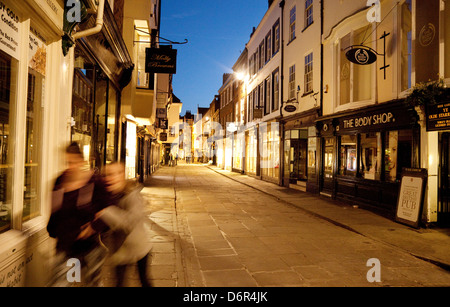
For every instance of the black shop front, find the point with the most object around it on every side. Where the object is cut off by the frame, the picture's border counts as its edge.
(364, 151)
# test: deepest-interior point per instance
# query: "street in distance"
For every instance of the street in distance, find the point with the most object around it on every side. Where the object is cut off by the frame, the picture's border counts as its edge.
(255, 297)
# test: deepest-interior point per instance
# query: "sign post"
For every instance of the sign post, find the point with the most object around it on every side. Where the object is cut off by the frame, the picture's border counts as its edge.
(411, 196)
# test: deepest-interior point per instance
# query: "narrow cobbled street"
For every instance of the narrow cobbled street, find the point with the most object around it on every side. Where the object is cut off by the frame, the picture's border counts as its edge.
(214, 228)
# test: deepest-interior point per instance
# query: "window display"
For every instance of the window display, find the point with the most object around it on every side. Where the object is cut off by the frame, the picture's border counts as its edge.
(347, 165)
(370, 162)
(8, 96)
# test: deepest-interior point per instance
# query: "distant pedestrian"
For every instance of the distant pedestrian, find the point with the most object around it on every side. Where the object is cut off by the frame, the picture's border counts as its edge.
(129, 241)
(78, 194)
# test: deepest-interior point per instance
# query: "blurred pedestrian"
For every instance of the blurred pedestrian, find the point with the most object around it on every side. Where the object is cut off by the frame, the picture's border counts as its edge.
(129, 242)
(78, 194)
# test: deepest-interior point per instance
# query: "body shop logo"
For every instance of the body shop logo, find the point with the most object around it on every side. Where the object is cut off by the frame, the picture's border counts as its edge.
(361, 56)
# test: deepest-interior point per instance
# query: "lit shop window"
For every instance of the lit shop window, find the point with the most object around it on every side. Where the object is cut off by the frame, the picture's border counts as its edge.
(8, 97)
(398, 153)
(370, 162)
(328, 157)
(33, 147)
(347, 164)
(83, 104)
(111, 136)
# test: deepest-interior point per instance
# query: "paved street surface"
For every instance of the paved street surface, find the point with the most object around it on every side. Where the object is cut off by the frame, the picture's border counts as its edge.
(213, 228)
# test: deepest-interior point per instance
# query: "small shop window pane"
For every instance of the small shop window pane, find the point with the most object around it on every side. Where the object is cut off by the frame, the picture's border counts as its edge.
(348, 155)
(370, 162)
(8, 97)
(328, 157)
(398, 153)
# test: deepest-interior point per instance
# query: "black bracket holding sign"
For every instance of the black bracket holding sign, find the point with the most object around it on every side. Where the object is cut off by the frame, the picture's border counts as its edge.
(364, 55)
(411, 196)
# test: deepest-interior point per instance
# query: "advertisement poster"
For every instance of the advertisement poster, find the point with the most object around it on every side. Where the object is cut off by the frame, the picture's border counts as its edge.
(410, 199)
(9, 31)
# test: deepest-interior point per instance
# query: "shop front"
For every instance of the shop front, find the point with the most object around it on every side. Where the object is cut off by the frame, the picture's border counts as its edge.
(300, 148)
(251, 149)
(102, 67)
(34, 110)
(269, 146)
(363, 153)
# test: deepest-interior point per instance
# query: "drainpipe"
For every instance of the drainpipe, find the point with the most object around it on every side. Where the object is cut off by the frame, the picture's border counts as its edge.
(281, 129)
(98, 23)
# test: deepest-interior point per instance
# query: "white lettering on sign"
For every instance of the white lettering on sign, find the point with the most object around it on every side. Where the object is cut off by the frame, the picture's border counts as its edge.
(374, 13)
(377, 119)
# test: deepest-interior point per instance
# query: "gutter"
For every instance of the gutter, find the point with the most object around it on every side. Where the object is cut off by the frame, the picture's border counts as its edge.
(98, 23)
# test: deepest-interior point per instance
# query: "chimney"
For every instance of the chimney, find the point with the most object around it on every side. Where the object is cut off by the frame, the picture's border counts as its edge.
(253, 31)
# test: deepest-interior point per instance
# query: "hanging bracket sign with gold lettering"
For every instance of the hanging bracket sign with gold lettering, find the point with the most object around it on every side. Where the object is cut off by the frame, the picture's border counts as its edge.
(161, 60)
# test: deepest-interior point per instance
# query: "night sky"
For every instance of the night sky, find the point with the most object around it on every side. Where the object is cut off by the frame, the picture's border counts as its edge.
(217, 32)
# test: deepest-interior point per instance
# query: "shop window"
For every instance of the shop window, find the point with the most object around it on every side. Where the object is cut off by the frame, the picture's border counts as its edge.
(370, 156)
(8, 97)
(328, 157)
(101, 93)
(398, 153)
(348, 155)
(250, 151)
(270, 156)
(112, 128)
(33, 145)
(83, 104)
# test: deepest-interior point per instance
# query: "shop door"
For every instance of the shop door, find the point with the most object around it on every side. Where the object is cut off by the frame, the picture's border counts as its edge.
(298, 160)
(444, 181)
(327, 166)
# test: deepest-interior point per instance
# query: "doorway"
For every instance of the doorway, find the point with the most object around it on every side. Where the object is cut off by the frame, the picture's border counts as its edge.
(298, 161)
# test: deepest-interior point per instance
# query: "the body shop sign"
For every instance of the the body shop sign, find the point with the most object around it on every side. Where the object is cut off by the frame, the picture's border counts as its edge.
(9, 30)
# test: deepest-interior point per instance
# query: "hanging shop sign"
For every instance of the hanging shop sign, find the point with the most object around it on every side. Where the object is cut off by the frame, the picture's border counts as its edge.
(438, 116)
(163, 136)
(9, 31)
(290, 108)
(161, 113)
(161, 60)
(257, 113)
(361, 55)
(411, 196)
(163, 123)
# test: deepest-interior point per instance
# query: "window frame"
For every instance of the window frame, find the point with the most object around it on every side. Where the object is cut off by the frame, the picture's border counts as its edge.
(292, 21)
